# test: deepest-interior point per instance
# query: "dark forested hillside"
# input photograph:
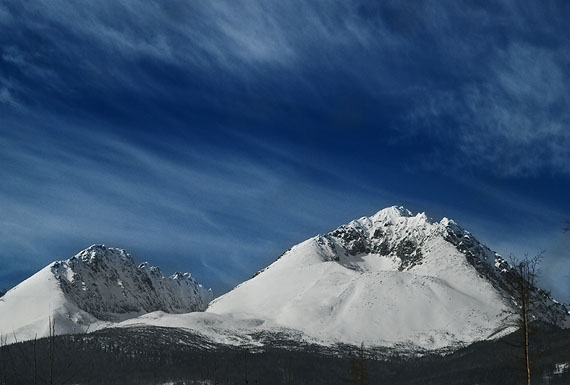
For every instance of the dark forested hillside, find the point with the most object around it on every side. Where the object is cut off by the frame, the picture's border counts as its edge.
(161, 355)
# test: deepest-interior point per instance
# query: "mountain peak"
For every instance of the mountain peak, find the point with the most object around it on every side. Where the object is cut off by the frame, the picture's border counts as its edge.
(391, 279)
(394, 231)
(96, 253)
(392, 212)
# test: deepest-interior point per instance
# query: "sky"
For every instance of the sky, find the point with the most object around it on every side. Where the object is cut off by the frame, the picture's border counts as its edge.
(210, 136)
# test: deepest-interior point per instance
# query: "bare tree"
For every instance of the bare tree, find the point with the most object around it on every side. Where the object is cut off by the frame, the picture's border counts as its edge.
(523, 292)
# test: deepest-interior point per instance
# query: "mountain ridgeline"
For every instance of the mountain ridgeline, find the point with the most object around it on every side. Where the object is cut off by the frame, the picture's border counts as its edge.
(393, 280)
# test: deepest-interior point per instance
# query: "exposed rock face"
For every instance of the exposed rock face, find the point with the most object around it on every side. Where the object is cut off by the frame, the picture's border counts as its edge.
(382, 234)
(106, 283)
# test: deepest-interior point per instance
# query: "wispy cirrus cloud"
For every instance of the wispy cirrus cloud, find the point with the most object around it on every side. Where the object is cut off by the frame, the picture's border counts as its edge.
(223, 128)
(514, 122)
(198, 206)
(456, 67)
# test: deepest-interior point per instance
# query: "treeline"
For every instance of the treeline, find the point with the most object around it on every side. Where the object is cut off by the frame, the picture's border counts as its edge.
(160, 355)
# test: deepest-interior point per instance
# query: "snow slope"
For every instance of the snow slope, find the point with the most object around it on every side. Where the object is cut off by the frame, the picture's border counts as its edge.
(91, 290)
(27, 309)
(392, 279)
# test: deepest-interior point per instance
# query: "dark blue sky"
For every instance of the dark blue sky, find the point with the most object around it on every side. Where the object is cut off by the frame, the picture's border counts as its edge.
(210, 136)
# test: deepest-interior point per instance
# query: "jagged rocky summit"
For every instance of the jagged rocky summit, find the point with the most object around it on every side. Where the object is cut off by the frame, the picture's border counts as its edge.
(107, 283)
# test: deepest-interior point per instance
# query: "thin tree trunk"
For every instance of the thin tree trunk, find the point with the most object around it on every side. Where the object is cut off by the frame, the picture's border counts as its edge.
(525, 331)
(527, 359)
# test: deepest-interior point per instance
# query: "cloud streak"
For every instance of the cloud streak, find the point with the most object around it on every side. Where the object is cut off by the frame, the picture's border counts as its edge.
(237, 128)
(204, 207)
(462, 81)
(516, 122)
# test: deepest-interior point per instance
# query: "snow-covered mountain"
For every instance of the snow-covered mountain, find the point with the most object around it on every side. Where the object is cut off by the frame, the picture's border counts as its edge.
(93, 289)
(392, 279)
